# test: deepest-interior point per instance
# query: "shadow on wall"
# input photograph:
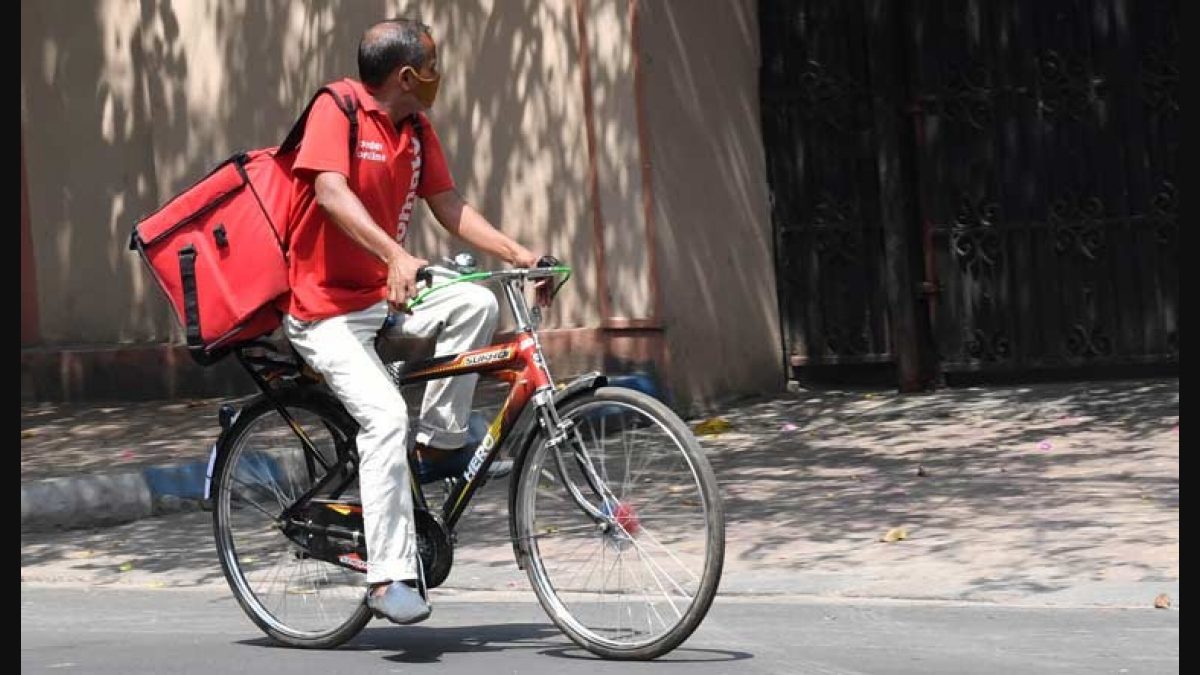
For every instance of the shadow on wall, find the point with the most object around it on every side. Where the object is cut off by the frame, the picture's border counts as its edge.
(510, 115)
(125, 103)
(132, 101)
(713, 223)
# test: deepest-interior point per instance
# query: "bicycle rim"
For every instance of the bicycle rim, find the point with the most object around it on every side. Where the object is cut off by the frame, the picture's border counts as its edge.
(297, 599)
(638, 586)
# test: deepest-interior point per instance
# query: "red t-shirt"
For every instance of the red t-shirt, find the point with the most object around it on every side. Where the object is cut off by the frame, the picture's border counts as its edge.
(330, 274)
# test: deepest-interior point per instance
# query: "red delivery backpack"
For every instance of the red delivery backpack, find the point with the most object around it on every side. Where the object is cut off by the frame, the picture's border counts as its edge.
(219, 249)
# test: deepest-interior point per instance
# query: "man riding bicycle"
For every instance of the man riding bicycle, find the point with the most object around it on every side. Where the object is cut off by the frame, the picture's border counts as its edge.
(349, 266)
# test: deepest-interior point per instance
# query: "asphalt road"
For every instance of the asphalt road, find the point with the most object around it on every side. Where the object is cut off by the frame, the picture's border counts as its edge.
(77, 628)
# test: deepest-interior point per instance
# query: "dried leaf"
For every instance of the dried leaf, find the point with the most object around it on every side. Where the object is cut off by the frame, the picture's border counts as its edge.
(28, 434)
(156, 584)
(713, 426)
(1162, 601)
(125, 567)
(894, 534)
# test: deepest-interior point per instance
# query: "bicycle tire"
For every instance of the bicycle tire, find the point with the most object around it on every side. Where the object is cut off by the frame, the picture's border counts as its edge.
(534, 536)
(302, 405)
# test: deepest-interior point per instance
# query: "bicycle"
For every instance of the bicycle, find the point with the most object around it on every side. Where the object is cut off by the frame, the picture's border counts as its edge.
(602, 476)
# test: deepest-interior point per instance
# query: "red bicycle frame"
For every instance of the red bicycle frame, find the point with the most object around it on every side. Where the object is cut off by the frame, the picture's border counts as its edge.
(521, 365)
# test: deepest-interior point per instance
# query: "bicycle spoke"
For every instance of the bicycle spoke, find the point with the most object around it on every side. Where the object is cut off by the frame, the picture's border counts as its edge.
(653, 565)
(666, 550)
(653, 610)
(255, 504)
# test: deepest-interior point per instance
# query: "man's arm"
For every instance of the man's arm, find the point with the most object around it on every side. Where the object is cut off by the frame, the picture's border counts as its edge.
(344, 208)
(467, 224)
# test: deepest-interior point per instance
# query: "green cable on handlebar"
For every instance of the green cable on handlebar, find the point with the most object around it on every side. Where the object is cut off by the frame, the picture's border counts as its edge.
(484, 276)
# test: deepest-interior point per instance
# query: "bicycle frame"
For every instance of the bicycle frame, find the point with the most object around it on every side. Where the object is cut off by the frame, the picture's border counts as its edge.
(519, 362)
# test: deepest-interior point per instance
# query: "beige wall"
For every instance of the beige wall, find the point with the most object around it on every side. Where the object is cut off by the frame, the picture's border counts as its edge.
(124, 103)
(710, 197)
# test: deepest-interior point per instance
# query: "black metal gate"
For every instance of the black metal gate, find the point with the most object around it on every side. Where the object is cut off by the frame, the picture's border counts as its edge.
(964, 185)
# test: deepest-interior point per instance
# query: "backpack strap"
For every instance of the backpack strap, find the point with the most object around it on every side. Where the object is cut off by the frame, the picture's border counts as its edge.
(346, 101)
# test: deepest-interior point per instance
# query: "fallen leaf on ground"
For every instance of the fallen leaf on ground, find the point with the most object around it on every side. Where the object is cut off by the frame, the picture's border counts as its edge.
(28, 434)
(713, 426)
(1162, 601)
(156, 584)
(125, 567)
(921, 471)
(894, 534)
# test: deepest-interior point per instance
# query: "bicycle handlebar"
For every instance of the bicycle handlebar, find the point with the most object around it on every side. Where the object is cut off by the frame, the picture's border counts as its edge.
(426, 274)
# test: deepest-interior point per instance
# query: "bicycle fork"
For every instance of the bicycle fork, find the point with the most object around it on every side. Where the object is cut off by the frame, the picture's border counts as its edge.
(560, 433)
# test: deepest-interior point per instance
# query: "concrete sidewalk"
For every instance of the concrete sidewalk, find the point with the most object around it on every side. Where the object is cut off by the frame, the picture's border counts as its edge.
(1047, 494)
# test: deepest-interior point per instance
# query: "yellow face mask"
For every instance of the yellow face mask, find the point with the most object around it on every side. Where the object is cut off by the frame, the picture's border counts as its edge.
(427, 89)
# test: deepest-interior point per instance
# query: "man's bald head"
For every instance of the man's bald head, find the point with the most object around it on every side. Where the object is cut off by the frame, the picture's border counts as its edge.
(389, 45)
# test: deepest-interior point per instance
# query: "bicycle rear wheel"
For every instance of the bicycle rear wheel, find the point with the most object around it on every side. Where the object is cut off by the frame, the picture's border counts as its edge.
(293, 597)
(635, 582)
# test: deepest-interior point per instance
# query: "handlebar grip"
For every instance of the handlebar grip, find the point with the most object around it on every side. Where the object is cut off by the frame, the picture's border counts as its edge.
(424, 274)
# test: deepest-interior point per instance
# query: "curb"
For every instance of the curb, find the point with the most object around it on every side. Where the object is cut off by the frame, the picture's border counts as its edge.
(102, 500)
(75, 502)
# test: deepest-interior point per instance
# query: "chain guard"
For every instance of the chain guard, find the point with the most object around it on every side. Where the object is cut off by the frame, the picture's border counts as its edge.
(434, 543)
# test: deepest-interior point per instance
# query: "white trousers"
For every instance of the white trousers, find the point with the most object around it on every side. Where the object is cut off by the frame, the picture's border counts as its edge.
(342, 350)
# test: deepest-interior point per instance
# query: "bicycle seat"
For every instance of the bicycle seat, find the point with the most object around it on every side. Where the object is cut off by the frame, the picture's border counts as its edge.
(409, 349)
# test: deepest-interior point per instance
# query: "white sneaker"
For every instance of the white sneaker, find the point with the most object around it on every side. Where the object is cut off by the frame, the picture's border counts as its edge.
(399, 604)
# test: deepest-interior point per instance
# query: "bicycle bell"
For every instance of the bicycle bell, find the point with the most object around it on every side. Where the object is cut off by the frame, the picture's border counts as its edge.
(465, 262)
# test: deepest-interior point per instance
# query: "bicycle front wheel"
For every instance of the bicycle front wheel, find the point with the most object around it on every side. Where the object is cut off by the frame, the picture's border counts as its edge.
(292, 596)
(626, 563)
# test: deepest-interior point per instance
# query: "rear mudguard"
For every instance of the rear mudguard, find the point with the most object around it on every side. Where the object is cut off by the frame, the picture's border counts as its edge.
(526, 429)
